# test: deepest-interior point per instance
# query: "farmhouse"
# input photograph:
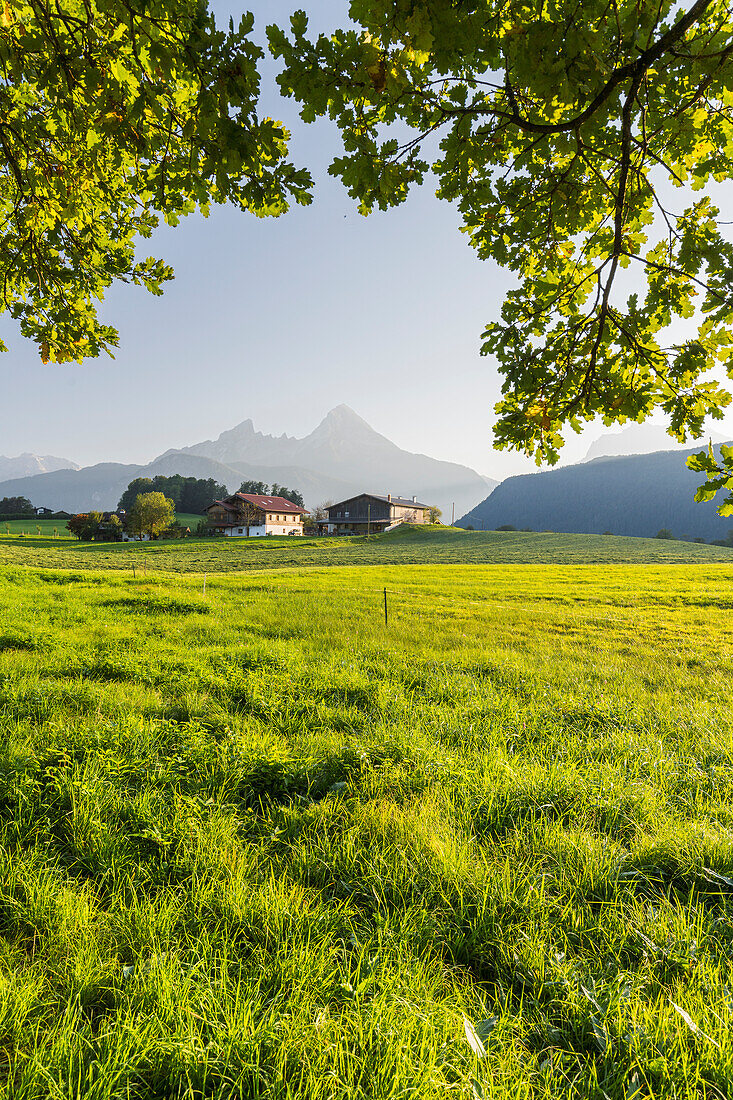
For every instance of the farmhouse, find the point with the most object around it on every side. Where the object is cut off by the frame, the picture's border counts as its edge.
(368, 512)
(244, 515)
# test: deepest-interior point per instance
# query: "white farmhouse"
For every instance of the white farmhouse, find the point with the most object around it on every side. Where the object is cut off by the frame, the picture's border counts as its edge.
(250, 515)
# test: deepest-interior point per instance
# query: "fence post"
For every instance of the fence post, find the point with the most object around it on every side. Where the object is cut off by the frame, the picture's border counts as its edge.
(385, 605)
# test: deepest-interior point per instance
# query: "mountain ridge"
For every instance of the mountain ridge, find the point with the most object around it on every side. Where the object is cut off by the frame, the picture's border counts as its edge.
(343, 446)
(342, 456)
(624, 495)
(29, 464)
(642, 439)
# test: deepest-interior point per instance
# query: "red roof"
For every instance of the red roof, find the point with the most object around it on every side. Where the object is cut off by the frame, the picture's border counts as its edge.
(270, 504)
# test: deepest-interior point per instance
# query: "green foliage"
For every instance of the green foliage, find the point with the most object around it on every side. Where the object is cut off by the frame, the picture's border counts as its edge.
(257, 488)
(114, 115)
(150, 514)
(293, 495)
(720, 475)
(192, 495)
(434, 514)
(16, 507)
(256, 845)
(664, 533)
(261, 488)
(85, 525)
(560, 128)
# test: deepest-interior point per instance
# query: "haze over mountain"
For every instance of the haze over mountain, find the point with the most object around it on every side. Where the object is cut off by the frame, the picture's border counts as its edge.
(641, 439)
(345, 448)
(628, 495)
(26, 465)
(342, 456)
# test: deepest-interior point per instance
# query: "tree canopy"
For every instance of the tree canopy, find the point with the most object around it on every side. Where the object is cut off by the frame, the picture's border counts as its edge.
(150, 514)
(261, 488)
(189, 494)
(114, 113)
(576, 140)
(16, 506)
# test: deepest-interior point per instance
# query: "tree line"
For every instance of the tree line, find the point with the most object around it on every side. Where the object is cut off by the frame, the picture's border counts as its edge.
(261, 488)
(16, 508)
(190, 495)
(149, 506)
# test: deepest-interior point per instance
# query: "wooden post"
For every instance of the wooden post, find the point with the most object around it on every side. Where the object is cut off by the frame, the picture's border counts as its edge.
(452, 513)
(133, 570)
(385, 606)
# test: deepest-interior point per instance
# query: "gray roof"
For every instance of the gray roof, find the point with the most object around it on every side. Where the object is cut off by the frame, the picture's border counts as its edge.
(403, 502)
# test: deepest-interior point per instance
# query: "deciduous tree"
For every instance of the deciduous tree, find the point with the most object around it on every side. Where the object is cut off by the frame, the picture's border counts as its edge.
(113, 114)
(85, 525)
(258, 488)
(16, 506)
(293, 495)
(576, 140)
(151, 514)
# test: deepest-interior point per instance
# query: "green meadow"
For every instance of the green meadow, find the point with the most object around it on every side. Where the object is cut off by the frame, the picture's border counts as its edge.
(36, 527)
(426, 546)
(257, 843)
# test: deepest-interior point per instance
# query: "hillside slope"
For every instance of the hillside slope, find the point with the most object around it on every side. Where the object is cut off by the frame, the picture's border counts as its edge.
(636, 495)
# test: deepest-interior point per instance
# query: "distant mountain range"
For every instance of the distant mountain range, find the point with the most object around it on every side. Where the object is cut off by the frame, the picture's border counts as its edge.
(632, 495)
(26, 465)
(341, 457)
(642, 439)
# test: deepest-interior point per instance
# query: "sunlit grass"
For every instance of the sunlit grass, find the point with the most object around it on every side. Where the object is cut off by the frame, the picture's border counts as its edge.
(257, 844)
(426, 546)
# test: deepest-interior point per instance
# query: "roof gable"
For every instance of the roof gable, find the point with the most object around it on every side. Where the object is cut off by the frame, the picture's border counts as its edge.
(268, 503)
(401, 502)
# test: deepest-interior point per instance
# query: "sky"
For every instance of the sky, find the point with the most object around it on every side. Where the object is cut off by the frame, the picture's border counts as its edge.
(280, 320)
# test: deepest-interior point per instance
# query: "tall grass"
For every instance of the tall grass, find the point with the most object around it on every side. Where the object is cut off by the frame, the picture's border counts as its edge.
(255, 844)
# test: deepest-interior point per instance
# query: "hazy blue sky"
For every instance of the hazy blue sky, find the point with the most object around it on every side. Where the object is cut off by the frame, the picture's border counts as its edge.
(280, 320)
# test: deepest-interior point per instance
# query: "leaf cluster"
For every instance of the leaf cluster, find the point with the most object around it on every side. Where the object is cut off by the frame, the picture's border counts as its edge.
(575, 141)
(719, 470)
(113, 114)
(151, 514)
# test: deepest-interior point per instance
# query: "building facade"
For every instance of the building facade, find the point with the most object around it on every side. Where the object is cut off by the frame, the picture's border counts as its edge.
(368, 513)
(250, 515)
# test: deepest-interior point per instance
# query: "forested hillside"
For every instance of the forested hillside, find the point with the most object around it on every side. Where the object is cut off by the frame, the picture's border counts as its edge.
(634, 495)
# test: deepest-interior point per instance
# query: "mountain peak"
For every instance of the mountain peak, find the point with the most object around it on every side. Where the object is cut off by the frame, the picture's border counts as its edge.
(247, 427)
(344, 415)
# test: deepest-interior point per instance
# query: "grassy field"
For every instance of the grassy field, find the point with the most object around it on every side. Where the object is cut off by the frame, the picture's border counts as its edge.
(49, 528)
(429, 546)
(56, 528)
(257, 844)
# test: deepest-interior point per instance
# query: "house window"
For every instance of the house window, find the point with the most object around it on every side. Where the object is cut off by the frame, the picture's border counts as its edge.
(346, 514)
(241, 530)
